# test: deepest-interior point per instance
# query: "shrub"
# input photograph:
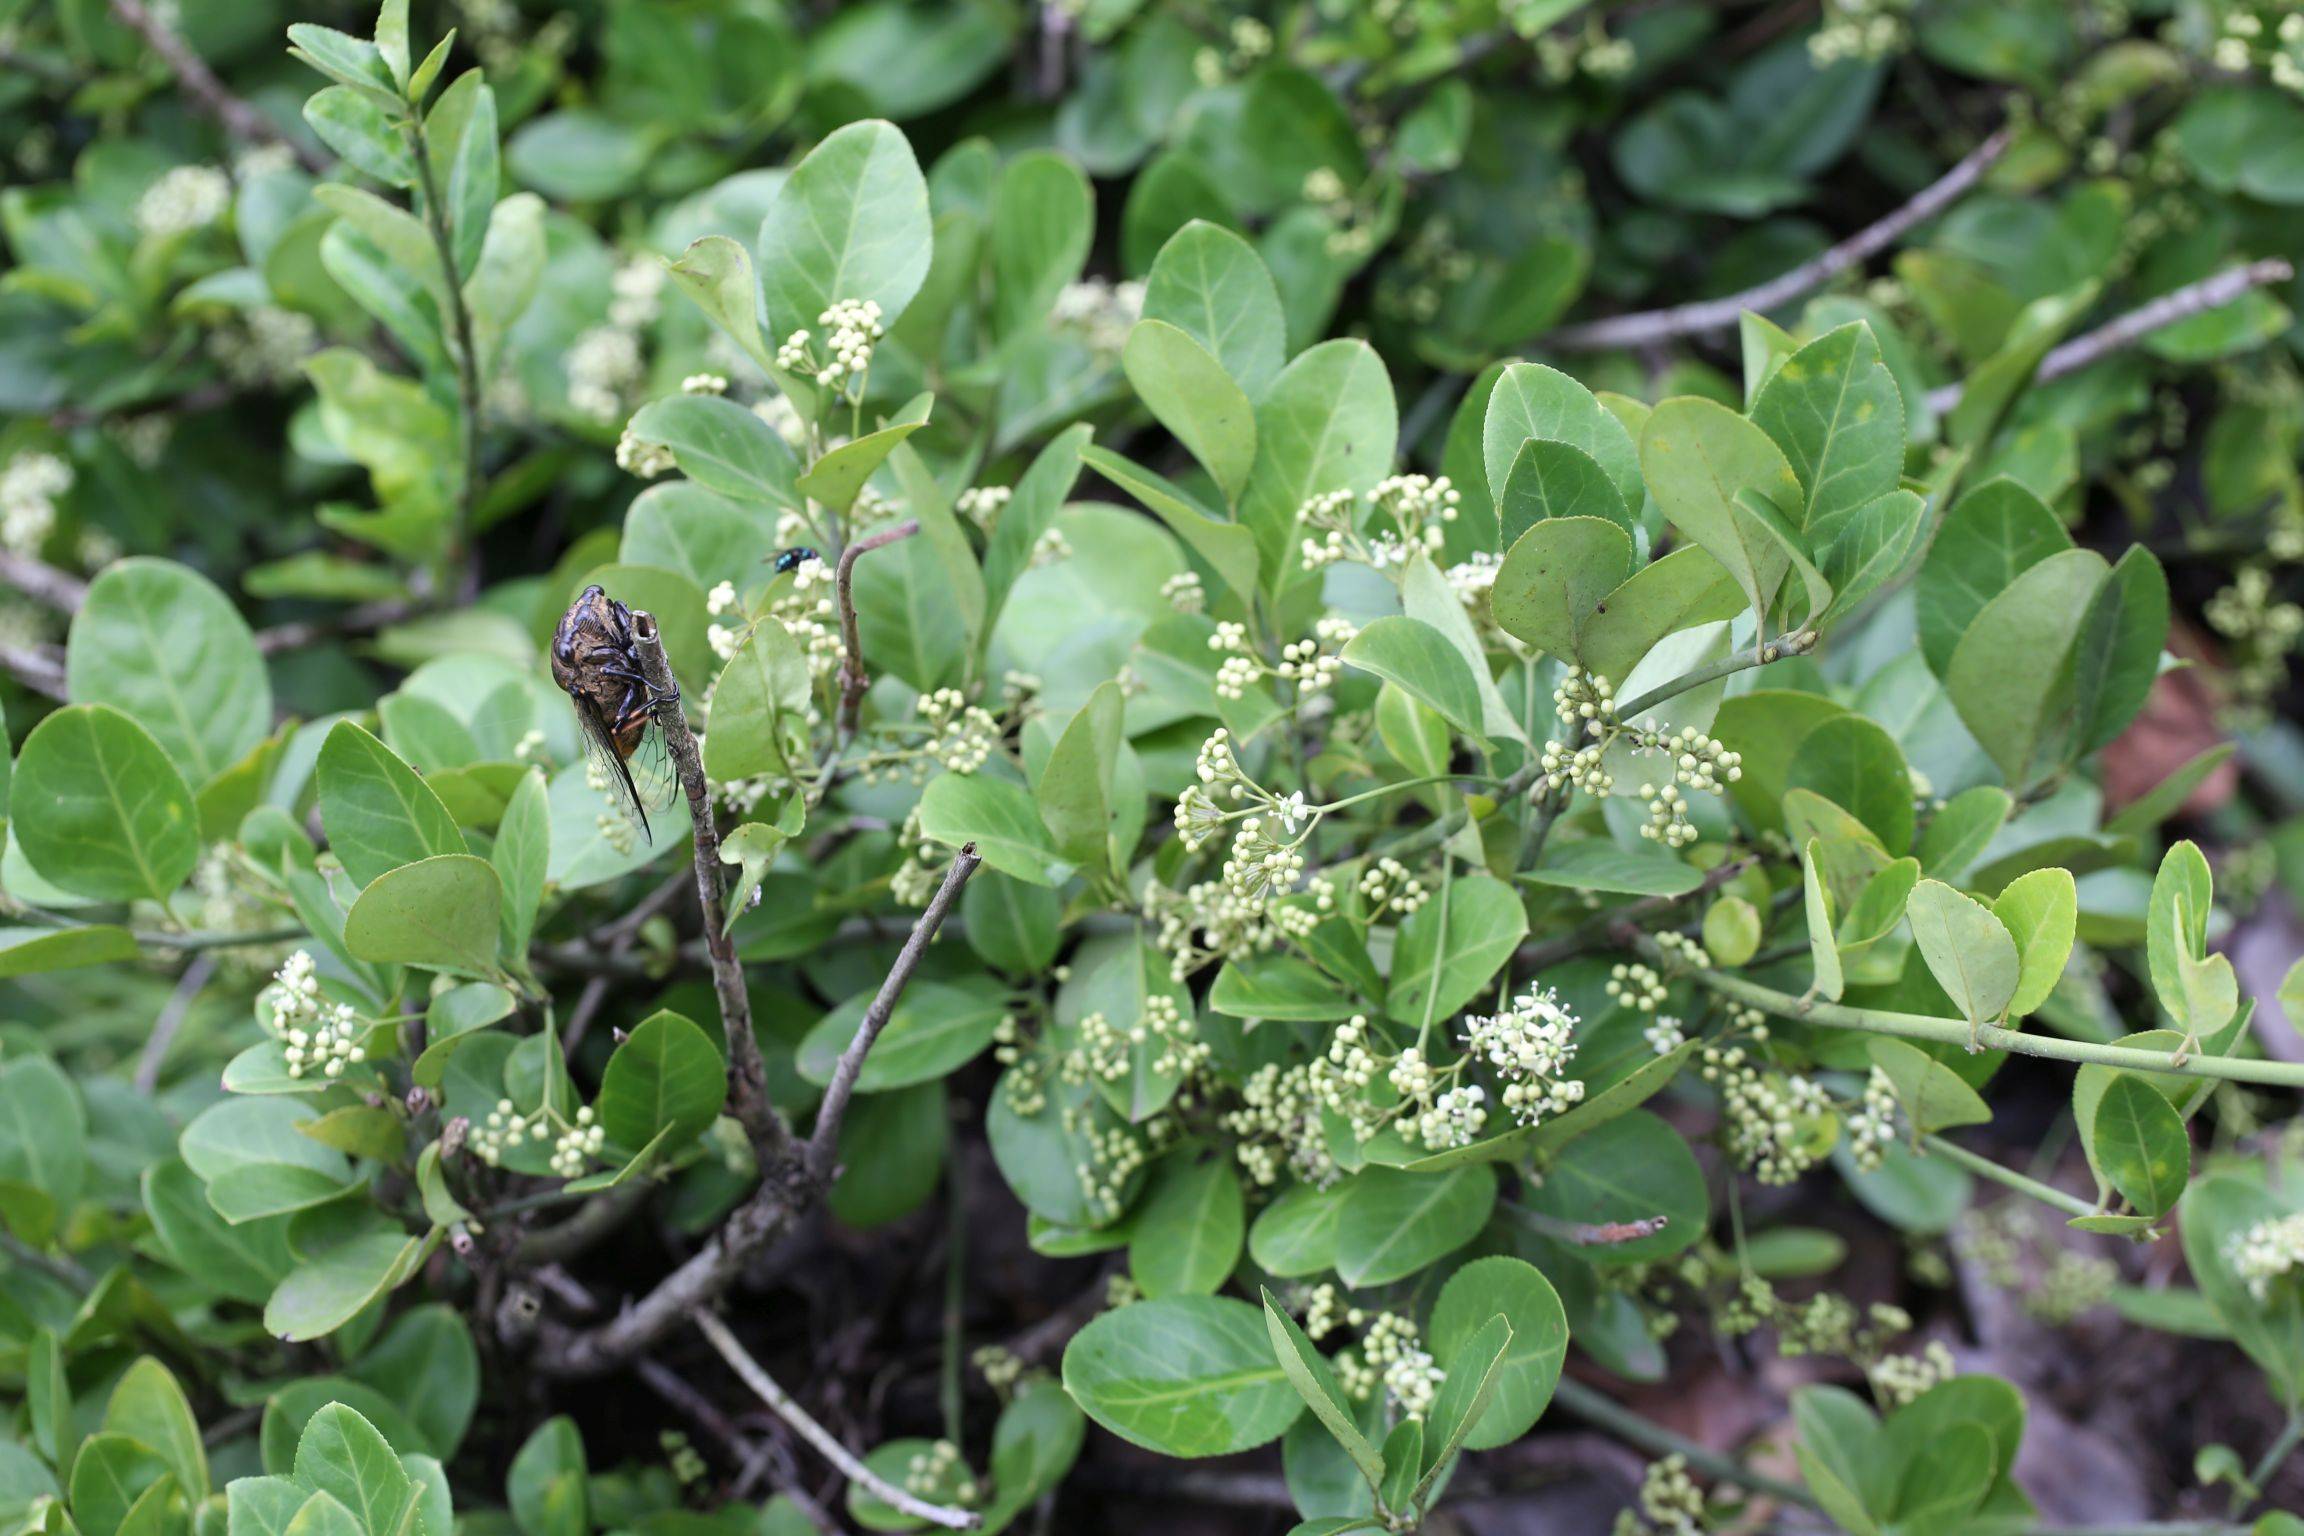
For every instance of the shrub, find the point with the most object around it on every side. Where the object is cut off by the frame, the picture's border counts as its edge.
(1389, 720)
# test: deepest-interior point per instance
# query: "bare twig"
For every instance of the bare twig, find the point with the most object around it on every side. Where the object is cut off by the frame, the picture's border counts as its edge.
(748, 1075)
(764, 1386)
(1721, 314)
(615, 939)
(2126, 330)
(1595, 1407)
(824, 1143)
(367, 618)
(1798, 643)
(240, 119)
(172, 1015)
(42, 582)
(853, 678)
(594, 1219)
(35, 668)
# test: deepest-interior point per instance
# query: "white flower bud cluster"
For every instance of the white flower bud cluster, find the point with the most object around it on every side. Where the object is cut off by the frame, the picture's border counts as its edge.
(572, 1145)
(1454, 1118)
(1387, 883)
(1332, 512)
(1899, 1379)
(1667, 821)
(267, 346)
(1102, 313)
(1051, 548)
(602, 367)
(999, 1366)
(182, 199)
(1121, 1290)
(851, 327)
(1873, 1125)
(1236, 676)
(965, 733)
(1302, 664)
(1108, 1052)
(1219, 770)
(1114, 1155)
(1474, 577)
(1184, 593)
(1230, 636)
(1261, 866)
(2267, 1252)
(1865, 30)
(615, 828)
(1670, 1502)
(576, 1143)
(636, 292)
(704, 384)
(637, 456)
(1665, 1034)
(937, 1473)
(29, 487)
(1198, 818)
(783, 417)
(1682, 953)
(1391, 1350)
(1411, 1074)
(983, 504)
(1767, 1115)
(1634, 985)
(1323, 1312)
(1530, 1045)
(1279, 1126)
(315, 1036)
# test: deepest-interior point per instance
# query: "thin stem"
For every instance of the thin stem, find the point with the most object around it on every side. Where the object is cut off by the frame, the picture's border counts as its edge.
(1915, 1026)
(748, 1074)
(1437, 831)
(172, 1016)
(1985, 1168)
(467, 358)
(240, 119)
(955, 1287)
(1598, 1408)
(1393, 789)
(765, 1388)
(1650, 327)
(1798, 643)
(2269, 1463)
(824, 1142)
(42, 582)
(35, 668)
(853, 678)
(2126, 330)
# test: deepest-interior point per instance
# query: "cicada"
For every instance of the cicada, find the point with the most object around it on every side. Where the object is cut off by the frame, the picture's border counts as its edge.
(595, 660)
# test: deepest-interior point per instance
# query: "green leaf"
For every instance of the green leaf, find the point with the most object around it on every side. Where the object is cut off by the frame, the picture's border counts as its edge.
(1860, 552)
(1933, 1095)
(31, 951)
(522, 856)
(1193, 397)
(1012, 925)
(722, 447)
(2117, 654)
(1835, 410)
(1731, 931)
(326, 1292)
(109, 1476)
(999, 817)
(1185, 1376)
(460, 134)
(1044, 216)
(1474, 1369)
(1945, 1480)
(2140, 1144)
(1548, 480)
(2269, 1328)
(763, 689)
(1532, 401)
(1699, 457)
(1211, 284)
(1329, 422)
(378, 812)
(667, 1077)
(1450, 948)
(1685, 589)
(442, 913)
(162, 645)
(1421, 661)
(2022, 716)
(2040, 911)
(243, 1262)
(1394, 1223)
(1969, 951)
(1991, 536)
(1229, 549)
(1075, 792)
(1297, 1233)
(1961, 829)
(549, 1483)
(99, 810)
(1823, 928)
(342, 1455)
(2176, 920)
(1595, 864)
(1031, 511)
(717, 273)
(1556, 578)
(1314, 1379)
(1856, 764)
(1840, 1455)
(850, 222)
(1633, 1168)
(836, 479)
(1034, 1445)
(1278, 987)
(891, 1153)
(427, 1363)
(43, 1132)
(148, 1406)
(1529, 1367)
(1186, 1238)
(936, 1027)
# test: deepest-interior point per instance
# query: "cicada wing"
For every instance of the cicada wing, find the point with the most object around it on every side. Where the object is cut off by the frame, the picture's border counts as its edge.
(607, 767)
(650, 770)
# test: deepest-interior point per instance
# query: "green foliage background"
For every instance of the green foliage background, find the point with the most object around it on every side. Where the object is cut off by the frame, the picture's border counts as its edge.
(1557, 627)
